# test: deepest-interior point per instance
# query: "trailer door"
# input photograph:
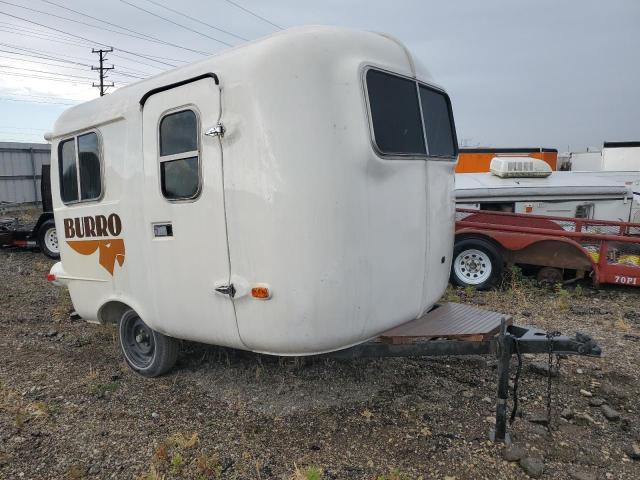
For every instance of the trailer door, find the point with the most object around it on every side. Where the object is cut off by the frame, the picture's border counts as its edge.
(187, 255)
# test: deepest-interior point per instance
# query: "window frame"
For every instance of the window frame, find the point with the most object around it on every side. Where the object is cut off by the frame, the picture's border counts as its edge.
(418, 84)
(77, 161)
(183, 155)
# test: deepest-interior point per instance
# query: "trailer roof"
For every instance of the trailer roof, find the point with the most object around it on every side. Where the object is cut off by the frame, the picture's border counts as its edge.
(487, 185)
(507, 150)
(296, 45)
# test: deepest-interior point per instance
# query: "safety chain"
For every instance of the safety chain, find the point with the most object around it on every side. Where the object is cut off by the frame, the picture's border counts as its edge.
(550, 337)
(514, 412)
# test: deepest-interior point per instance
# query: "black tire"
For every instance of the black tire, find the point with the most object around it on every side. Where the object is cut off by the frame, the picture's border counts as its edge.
(48, 240)
(146, 351)
(476, 263)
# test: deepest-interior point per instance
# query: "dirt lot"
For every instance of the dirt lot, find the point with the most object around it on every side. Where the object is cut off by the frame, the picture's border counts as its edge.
(70, 408)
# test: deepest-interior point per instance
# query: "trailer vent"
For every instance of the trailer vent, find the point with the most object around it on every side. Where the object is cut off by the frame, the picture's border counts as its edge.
(509, 167)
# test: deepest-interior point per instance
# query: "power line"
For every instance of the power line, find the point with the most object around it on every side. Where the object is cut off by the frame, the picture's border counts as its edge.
(40, 98)
(32, 30)
(66, 80)
(16, 31)
(45, 72)
(137, 35)
(253, 13)
(46, 56)
(137, 61)
(41, 63)
(147, 36)
(124, 73)
(87, 44)
(86, 39)
(193, 19)
(176, 23)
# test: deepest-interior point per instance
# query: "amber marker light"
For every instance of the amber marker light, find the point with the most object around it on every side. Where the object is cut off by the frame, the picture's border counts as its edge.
(261, 292)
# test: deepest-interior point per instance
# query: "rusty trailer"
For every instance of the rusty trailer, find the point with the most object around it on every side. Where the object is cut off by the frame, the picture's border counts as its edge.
(608, 251)
(454, 329)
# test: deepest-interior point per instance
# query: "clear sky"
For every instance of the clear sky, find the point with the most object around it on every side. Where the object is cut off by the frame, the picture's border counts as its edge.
(563, 74)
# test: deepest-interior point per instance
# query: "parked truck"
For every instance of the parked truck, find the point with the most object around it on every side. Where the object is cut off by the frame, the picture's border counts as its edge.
(43, 234)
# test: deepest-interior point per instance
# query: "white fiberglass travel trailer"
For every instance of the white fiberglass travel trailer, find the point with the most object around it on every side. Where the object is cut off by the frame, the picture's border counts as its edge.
(596, 195)
(290, 196)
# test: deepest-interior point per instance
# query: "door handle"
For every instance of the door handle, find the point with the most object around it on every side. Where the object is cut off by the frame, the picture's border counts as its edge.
(217, 131)
(228, 290)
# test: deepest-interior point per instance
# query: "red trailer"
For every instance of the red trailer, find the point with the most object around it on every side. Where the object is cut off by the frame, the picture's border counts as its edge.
(557, 247)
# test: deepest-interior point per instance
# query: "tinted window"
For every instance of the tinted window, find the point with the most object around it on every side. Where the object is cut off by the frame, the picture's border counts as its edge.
(395, 113)
(178, 133)
(179, 178)
(180, 173)
(89, 161)
(437, 122)
(68, 171)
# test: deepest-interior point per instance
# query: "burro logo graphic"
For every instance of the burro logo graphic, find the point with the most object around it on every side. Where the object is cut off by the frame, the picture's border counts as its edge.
(94, 230)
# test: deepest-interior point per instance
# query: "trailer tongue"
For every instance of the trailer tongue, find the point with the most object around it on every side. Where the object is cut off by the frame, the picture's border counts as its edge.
(456, 329)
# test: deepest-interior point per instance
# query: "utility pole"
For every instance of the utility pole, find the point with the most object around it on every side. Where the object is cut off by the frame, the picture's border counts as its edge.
(102, 69)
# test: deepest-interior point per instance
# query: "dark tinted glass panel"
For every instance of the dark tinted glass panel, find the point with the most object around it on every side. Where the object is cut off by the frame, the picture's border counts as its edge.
(68, 172)
(437, 121)
(178, 133)
(395, 113)
(89, 159)
(179, 178)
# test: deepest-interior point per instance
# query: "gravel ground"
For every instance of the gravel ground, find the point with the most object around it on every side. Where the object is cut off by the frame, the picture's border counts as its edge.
(70, 408)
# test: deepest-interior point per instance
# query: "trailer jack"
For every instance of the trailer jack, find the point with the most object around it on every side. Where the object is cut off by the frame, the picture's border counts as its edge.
(513, 338)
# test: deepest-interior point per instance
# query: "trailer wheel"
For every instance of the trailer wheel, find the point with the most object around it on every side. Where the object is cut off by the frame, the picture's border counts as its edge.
(146, 351)
(48, 239)
(476, 263)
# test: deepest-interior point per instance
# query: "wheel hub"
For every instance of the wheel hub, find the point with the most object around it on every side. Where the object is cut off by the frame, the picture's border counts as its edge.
(473, 266)
(138, 341)
(51, 240)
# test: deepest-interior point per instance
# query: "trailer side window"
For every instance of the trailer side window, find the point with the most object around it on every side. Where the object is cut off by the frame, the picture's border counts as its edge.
(436, 112)
(79, 168)
(395, 114)
(68, 171)
(89, 163)
(179, 156)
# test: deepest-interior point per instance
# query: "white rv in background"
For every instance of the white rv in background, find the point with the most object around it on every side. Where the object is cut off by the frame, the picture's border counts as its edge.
(614, 157)
(596, 195)
(588, 161)
(621, 156)
(291, 196)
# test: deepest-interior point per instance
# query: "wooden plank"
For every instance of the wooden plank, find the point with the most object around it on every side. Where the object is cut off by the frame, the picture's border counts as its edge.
(449, 321)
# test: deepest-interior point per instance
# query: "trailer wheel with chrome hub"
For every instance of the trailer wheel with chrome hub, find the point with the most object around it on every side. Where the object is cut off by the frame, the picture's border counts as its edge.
(146, 351)
(476, 263)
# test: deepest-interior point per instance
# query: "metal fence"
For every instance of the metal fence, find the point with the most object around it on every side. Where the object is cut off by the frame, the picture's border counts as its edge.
(20, 168)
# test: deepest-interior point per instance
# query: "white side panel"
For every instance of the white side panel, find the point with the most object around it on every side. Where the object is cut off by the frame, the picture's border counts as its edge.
(337, 232)
(441, 211)
(91, 283)
(621, 159)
